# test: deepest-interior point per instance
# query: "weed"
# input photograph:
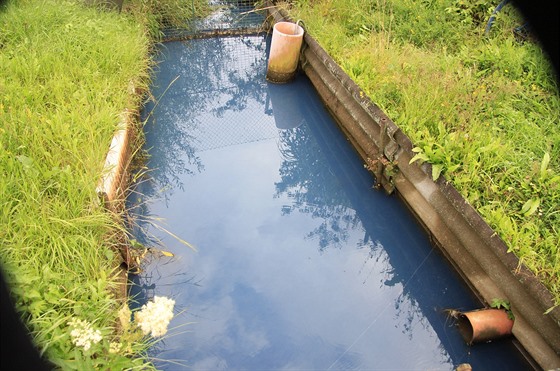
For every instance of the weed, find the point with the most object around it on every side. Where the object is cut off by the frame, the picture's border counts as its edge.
(503, 304)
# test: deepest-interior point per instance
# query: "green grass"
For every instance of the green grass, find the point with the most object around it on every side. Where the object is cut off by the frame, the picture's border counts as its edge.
(488, 123)
(483, 110)
(65, 73)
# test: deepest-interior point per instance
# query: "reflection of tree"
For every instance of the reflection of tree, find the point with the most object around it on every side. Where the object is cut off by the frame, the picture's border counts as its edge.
(246, 83)
(313, 188)
(192, 80)
(414, 313)
(407, 306)
(320, 178)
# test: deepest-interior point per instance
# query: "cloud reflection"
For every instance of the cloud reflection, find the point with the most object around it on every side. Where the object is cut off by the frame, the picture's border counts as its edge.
(301, 265)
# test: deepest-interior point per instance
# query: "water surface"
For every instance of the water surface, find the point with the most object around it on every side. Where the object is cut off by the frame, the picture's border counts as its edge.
(300, 263)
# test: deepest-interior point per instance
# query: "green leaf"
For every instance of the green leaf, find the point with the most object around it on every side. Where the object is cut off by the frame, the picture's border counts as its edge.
(436, 171)
(544, 165)
(530, 206)
(32, 294)
(501, 304)
(550, 309)
(452, 168)
(420, 156)
(27, 162)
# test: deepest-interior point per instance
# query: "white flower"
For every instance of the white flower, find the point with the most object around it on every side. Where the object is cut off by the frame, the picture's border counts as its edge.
(83, 334)
(154, 317)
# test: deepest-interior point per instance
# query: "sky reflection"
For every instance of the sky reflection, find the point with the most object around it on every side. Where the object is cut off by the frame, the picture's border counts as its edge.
(300, 263)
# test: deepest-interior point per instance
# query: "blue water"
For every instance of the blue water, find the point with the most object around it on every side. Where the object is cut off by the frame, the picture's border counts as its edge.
(300, 263)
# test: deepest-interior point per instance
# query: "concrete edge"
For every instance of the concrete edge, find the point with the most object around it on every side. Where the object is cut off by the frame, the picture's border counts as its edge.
(470, 244)
(112, 185)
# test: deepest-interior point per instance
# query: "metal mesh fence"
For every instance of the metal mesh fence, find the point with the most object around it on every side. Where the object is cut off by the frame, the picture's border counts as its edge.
(238, 108)
(226, 17)
(222, 98)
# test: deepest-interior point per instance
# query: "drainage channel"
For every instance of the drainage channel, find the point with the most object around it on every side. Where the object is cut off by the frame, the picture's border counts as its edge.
(300, 264)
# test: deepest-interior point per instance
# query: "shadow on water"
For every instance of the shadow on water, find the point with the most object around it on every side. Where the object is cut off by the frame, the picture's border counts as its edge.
(301, 264)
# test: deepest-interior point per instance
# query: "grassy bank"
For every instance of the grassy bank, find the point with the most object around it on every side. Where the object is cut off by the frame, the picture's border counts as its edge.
(484, 110)
(65, 76)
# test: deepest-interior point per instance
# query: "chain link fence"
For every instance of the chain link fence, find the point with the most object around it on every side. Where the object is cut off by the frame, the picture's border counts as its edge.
(227, 17)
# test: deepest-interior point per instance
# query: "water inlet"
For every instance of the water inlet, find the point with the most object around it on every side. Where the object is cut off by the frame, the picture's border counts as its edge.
(484, 325)
(283, 59)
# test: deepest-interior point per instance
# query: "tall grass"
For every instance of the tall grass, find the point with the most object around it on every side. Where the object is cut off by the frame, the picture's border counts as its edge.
(484, 110)
(65, 73)
(157, 14)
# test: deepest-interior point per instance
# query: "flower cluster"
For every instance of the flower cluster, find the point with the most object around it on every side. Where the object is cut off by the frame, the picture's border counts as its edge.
(154, 317)
(114, 347)
(83, 334)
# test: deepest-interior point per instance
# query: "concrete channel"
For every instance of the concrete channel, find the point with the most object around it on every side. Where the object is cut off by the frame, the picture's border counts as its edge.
(470, 245)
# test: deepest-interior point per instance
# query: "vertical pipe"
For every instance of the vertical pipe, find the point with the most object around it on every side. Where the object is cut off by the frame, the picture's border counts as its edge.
(283, 60)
